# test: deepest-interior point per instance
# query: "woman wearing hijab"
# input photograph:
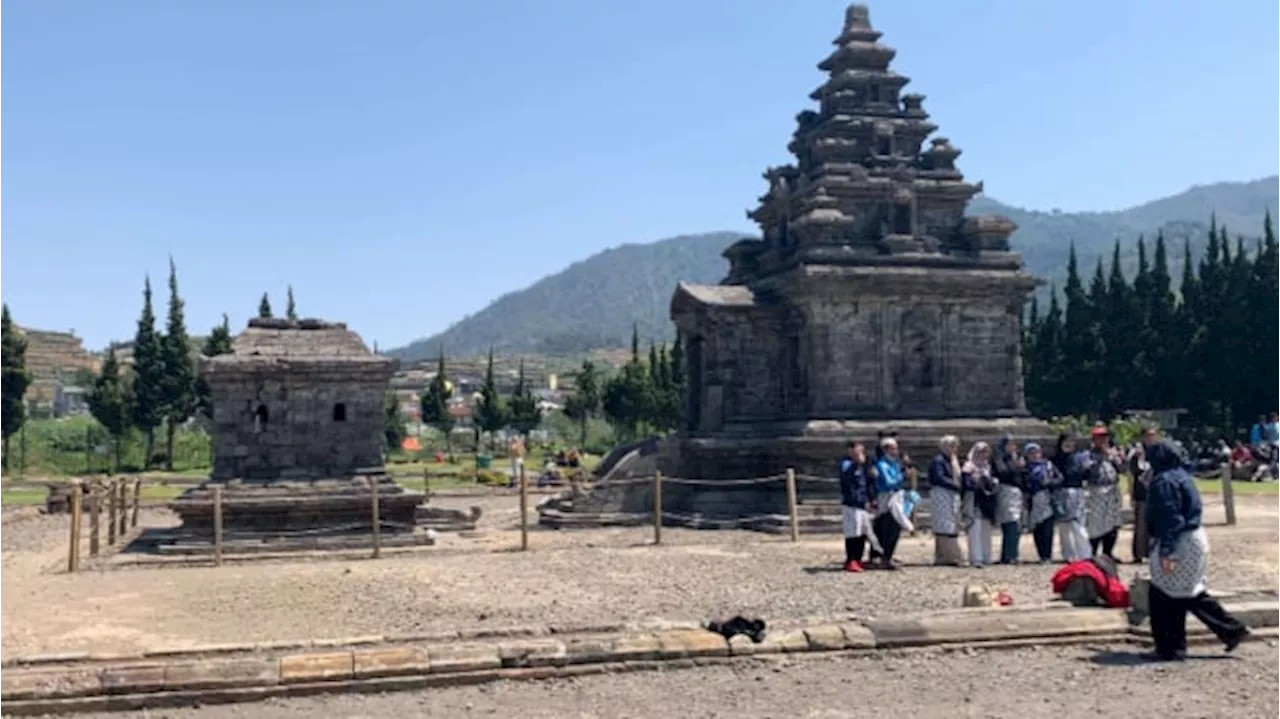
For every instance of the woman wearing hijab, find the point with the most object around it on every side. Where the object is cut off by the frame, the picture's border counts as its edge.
(980, 501)
(889, 478)
(1010, 472)
(1103, 504)
(1042, 477)
(945, 486)
(1068, 499)
(1180, 559)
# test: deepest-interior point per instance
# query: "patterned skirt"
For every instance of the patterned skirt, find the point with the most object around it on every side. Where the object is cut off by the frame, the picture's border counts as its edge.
(1069, 504)
(945, 511)
(1008, 504)
(1103, 510)
(1190, 561)
(1041, 508)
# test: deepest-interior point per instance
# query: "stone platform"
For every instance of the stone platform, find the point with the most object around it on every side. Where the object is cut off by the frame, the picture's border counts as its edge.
(278, 510)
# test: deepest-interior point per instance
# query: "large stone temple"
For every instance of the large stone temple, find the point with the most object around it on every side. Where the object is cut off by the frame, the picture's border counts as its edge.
(297, 434)
(869, 302)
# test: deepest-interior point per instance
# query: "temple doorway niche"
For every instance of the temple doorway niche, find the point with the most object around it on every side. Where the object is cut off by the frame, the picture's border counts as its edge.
(918, 379)
(693, 399)
(903, 219)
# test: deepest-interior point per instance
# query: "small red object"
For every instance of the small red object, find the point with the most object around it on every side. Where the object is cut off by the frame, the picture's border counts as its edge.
(1003, 599)
(853, 566)
(439, 458)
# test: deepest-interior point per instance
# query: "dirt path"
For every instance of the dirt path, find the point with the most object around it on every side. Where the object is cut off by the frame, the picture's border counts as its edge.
(1060, 683)
(570, 576)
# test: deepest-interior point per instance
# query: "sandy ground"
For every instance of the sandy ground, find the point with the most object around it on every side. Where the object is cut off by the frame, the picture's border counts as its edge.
(1059, 683)
(568, 576)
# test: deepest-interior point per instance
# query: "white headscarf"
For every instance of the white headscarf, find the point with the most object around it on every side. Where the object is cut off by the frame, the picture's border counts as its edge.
(978, 467)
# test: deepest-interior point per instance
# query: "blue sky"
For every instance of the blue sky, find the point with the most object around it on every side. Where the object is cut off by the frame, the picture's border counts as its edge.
(402, 163)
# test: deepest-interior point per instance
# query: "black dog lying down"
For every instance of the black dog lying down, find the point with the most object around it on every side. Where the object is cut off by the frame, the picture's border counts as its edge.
(753, 628)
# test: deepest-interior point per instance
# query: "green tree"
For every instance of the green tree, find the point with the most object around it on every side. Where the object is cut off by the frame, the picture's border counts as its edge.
(434, 409)
(180, 394)
(217, 343)
(15, 379)
(628, 395)
(109, 401)
(523, 411)
(1119, 325)
(149, 376)
(264, 307)
(290, 310)
(392, 425)
(490, 412)
(583, 404)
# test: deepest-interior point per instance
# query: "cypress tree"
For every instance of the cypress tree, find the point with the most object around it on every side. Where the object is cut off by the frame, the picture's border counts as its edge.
(1052, 397)
(264, 307)
(108, 402)
(435, 403)
(14, 378)
(149, 375)
(180, 395)
(1119, 328)
(524, 413)
(490, 413)
(1079, 341)
(217, 343)
(1160, 330)
(585, 400)
(291, 310)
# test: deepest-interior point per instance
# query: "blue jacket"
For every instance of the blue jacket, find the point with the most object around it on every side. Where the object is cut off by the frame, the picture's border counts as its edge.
(1038, 476)
(940, 474)
(1173, 502)
(855, 487)
(888, 475)
(1072, 467)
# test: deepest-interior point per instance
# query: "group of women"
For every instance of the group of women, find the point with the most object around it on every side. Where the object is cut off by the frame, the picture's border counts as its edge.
(1076, 489)
(1005, 488)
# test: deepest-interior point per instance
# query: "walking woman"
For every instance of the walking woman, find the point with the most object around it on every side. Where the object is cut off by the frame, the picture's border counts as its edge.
(945, 485)
(889, 479)
(1068, 499)
(1180, 559)
(1042, 476)
(1010, 472)
(979, 503)
(1103, 504)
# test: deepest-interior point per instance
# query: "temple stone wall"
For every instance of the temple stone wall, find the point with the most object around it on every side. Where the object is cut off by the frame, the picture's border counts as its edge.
(313, 426)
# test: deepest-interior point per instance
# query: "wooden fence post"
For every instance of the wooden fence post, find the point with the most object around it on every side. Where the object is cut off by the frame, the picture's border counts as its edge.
(217, 525)
(73, 553)
(1228, 493)
(524, 508)
(137, 500)
(377, 517)
(111, 513)
(95, 517)
(426, 481)
(792, 512)
(124, 509)
(657, 507)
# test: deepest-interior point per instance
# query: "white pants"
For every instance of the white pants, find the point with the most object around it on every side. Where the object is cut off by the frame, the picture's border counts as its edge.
(1074, 541)
(517, 463)
(857, 523)
(980, 542)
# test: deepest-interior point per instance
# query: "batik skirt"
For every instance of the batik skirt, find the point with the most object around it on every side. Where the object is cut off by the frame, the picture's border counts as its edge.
(1103, 510)
(1190, 562)
(944, 512)
(1008, 504)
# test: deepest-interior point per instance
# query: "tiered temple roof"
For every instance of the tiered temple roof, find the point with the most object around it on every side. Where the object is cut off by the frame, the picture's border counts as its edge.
(863, 178)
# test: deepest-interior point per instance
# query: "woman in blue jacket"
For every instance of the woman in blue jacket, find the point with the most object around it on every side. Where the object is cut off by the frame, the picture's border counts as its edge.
(889, 489)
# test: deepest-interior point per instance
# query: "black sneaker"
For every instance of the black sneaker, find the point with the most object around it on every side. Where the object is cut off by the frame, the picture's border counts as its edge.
(1234, 640)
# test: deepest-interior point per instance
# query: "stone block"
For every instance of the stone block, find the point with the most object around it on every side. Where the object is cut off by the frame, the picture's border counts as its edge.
(740, 645)
(132, 680)
(454, 658)
(589, 650)
(1257, 614)
(691, 644)
(533, 653)
(315, 667)
(857, 636)
(636, 647)
(390, 662)
(784, 640)
(996, 626)
(825, 638)
(41, 684)
(222, 673)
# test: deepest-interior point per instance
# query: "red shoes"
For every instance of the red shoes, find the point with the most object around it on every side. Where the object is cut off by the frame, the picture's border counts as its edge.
(853, 566)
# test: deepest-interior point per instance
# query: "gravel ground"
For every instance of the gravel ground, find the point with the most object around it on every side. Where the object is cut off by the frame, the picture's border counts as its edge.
(595, 575)
(1058, 683)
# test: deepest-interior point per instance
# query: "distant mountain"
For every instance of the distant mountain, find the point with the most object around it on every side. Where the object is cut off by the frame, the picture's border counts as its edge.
(594, 302)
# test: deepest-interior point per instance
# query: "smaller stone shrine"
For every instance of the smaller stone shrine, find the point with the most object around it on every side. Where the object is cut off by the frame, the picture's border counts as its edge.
(297, 439)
